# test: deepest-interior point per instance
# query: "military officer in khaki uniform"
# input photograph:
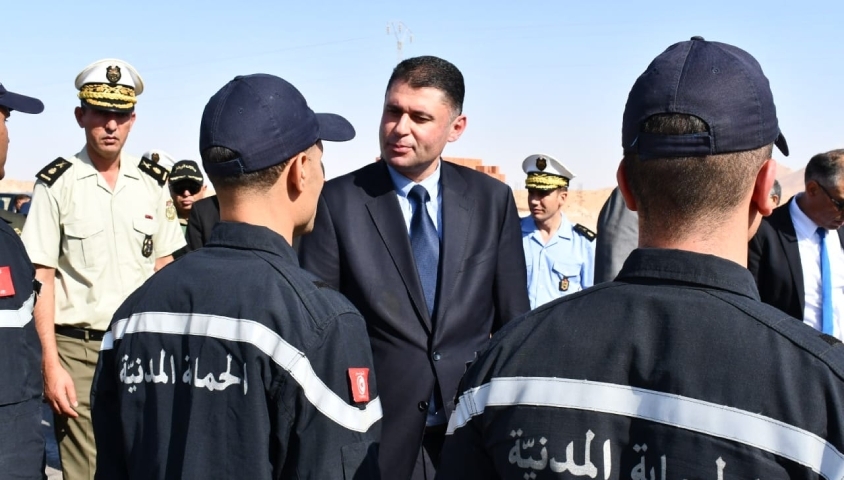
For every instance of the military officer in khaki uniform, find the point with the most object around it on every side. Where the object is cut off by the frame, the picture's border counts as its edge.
(97, 229)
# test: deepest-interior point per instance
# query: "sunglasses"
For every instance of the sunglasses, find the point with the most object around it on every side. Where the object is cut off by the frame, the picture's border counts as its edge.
(838, 203)
(191, 187)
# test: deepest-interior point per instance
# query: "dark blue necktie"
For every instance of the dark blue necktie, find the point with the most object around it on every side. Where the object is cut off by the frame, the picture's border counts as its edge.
(425, 244)
(826, 285)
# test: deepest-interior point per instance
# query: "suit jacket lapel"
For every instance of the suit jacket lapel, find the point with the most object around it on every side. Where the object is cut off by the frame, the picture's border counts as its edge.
(457, 214)
(389, 221)
(784, 226)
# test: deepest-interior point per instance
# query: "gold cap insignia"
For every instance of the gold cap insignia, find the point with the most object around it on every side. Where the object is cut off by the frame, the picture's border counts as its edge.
(156, 157)
(541, 163)
(113, 73)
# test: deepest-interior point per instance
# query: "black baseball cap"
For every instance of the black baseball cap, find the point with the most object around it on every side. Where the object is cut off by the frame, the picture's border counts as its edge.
(18, 102)
(721, 84)
(185, 171)
(266, 121)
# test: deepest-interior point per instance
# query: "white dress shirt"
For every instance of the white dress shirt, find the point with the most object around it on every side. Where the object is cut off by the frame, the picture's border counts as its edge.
(809, 244)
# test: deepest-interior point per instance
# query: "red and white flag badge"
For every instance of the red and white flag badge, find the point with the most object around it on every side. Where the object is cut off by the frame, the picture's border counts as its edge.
(359, 378)
(7, 288)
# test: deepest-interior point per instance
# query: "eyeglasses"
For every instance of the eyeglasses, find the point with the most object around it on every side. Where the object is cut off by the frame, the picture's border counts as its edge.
(839, 204)
(180, 188)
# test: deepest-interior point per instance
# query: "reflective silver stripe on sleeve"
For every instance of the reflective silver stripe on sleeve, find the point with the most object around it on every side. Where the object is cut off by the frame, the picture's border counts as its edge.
(691, 414)
(264, 339)
(20, 317)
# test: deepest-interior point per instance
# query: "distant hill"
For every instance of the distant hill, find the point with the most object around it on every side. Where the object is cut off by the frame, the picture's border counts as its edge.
(15, 186)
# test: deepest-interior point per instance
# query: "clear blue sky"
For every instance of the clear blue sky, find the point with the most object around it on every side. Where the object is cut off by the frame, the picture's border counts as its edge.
(541, 76)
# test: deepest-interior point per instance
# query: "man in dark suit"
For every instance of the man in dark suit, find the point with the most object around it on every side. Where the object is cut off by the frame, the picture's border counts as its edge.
(203, 216)
(428, 251)
(786, 256)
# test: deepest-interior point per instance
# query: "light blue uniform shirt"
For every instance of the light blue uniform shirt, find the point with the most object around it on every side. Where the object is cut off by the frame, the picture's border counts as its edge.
(564, 265)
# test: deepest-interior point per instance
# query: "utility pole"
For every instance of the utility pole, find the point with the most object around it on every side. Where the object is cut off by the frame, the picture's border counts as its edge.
(402, 34)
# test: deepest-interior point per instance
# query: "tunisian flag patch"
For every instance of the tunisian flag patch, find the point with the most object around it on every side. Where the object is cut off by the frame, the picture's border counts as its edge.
(7, 288)
(359, 379)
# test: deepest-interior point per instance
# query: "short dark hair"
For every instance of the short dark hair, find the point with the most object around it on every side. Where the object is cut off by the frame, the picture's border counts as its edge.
(675, 194)
(825, 168)
(432, 72)
(260, 180)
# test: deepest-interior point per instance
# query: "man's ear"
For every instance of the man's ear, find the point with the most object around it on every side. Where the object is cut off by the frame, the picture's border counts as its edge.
(624, 187)
(77, 112)
(563, 194)
(761, 196)
(296, 173)
(458, 126)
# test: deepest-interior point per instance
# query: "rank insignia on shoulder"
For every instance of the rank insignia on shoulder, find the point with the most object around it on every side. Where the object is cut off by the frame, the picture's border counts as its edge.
(153, 170)
(589, 234)
(564, 284)
(53, 171)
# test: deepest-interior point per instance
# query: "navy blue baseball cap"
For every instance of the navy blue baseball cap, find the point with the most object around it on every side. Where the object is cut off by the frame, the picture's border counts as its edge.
(721, 84)
(266, 121)
(18, 102)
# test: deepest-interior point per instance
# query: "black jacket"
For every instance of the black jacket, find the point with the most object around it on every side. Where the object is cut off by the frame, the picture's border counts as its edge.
(232, 362)
(360, 245)
(774, 260)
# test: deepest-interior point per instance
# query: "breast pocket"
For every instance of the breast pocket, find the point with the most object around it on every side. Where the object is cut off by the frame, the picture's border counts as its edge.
(86, 241)
(145, 230)
(568, 274)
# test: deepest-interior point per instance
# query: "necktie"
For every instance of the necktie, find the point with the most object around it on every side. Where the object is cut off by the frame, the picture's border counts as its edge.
(425, 244)
(826, 284)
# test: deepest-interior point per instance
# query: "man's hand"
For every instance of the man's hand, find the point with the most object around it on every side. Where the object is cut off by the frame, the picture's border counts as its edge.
(59, 391)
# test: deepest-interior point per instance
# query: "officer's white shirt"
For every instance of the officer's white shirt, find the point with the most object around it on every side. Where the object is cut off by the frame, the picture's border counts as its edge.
(809, 245)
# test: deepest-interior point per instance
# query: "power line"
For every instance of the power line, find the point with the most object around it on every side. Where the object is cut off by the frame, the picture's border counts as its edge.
(402, 33)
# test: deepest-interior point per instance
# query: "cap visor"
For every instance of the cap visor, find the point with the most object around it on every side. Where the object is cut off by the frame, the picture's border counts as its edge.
(782, 144)
(334, 128)
(21, 103)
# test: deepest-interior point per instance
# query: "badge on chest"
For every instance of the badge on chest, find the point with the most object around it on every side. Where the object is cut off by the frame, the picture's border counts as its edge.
(146, 247)
(564, 284)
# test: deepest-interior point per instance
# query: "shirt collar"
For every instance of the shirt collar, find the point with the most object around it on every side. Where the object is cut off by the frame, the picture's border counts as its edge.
(404, 185)
(563, 231)
(689, 268)
(85, 168)
(803, 225)
(244, 236)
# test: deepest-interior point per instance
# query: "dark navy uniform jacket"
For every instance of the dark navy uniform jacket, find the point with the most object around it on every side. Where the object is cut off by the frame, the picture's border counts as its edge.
(20, 348)
(232, 362)
(676, 370)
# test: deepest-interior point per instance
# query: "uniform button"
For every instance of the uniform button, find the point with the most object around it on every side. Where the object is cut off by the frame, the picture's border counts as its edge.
(437, 356)
(423, 406)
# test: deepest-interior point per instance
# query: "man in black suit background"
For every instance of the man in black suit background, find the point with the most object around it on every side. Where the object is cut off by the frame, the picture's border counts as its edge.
(428, 251)
(786, 256)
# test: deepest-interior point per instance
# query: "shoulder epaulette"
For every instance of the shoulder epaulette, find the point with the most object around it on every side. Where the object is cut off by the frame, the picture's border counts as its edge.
(153, 170)
(53, 171)
(589, 234)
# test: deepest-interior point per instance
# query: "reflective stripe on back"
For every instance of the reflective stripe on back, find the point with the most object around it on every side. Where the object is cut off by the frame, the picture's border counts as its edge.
(691, 414)
(267, 341)
(20, 317)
